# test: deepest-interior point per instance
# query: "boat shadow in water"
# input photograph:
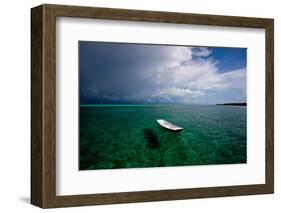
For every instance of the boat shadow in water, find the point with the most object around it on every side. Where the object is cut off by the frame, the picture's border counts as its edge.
(151, 138)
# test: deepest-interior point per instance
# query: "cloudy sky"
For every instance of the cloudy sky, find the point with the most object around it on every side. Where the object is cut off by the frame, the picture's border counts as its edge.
(160, 74)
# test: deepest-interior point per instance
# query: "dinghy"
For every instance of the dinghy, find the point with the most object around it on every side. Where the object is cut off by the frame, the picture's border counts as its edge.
(169, 126)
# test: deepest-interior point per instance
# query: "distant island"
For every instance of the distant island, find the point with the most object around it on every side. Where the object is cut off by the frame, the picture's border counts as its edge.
(233, 104)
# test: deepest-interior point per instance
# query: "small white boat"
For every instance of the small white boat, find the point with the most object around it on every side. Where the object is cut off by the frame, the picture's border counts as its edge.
(169, 126)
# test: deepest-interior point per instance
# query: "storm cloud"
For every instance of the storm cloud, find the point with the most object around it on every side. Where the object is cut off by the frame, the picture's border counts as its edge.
(138, 73)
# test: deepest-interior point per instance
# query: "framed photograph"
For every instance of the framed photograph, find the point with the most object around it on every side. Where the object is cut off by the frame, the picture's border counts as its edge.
(137, 106)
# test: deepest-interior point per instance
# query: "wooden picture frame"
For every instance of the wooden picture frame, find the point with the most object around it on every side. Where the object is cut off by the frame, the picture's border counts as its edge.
(43, 105)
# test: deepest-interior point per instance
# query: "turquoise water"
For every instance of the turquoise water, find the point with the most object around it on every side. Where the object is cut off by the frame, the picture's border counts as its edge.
(128, 136)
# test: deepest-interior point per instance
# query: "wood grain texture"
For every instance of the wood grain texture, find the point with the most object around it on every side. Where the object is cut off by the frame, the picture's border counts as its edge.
(36, 106)
(43, 105)
(269, 117)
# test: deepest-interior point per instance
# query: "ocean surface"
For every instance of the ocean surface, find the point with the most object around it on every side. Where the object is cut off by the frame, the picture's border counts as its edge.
(128, 136)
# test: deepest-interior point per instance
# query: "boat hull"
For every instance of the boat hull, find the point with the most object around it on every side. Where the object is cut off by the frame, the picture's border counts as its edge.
(169, 126)
(176, 131)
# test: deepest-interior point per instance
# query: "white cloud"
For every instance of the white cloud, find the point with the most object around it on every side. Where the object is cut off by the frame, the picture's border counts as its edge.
(201, 51)
(214, 81)
(172, 56)
(174, 91)
(191, 71)
(183, 76)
